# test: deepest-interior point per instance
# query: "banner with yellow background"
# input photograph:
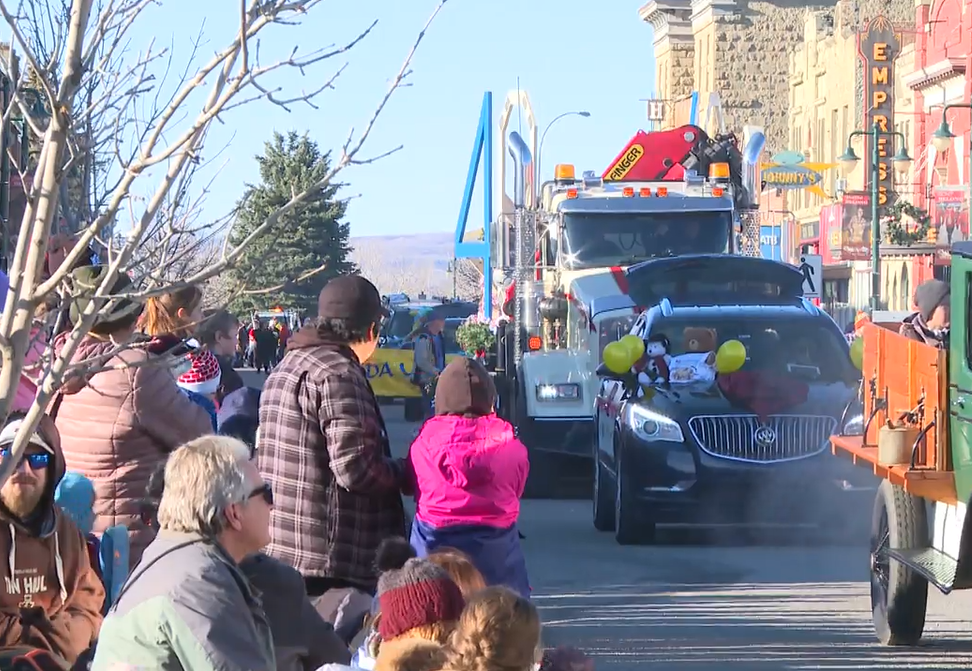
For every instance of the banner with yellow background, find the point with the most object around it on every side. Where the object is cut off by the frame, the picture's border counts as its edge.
(390, 370)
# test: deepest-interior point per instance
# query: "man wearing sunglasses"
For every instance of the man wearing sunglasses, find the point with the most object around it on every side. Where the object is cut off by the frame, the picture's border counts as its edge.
(50, 597)
(187, 604)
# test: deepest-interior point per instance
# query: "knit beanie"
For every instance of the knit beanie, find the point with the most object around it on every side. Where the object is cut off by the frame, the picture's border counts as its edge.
(930, 295)
(84, 282)
(464, 388)
(203, 375)
(420, 593)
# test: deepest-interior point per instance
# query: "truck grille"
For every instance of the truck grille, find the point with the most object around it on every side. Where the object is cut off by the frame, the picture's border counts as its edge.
(746, 438)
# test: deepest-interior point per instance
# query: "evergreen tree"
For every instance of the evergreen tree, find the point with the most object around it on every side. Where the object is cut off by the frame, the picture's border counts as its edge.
(312, 235)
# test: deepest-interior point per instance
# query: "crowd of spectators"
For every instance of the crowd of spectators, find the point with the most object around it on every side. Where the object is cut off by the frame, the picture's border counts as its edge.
(259, 530)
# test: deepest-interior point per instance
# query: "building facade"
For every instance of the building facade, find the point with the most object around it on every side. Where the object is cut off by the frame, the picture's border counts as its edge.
(739, 51)
(827, 104)
(942, 74)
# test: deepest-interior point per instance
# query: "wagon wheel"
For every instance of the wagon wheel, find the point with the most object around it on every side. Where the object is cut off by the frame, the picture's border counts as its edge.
(899, 596)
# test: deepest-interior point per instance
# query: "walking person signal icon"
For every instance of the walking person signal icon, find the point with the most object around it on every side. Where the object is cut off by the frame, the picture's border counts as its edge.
(811, 266)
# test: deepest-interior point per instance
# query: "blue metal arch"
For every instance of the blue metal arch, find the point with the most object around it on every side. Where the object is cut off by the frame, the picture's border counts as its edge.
(482, 152)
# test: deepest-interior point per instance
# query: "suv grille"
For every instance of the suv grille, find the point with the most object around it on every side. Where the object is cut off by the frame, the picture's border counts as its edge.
(745, 438)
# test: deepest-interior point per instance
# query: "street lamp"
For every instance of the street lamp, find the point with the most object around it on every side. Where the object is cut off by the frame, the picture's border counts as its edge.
(544, 134)
(901, 161)
(943, 137)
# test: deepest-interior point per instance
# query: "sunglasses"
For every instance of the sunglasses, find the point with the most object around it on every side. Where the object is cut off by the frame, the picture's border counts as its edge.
(265, 491)
(37, 461)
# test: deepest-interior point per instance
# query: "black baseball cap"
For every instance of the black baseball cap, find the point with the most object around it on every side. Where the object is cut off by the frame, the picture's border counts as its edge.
(350, 297)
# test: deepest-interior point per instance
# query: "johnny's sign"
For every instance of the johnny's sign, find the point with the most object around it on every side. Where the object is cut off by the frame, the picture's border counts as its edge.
(878, 47)
(788, 171)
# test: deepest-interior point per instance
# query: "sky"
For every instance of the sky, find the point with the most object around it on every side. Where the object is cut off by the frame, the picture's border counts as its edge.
(569, 55)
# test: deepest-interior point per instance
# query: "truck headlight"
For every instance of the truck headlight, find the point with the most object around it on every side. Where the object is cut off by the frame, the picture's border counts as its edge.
(650, 426)
(854, 426)
(558, 392)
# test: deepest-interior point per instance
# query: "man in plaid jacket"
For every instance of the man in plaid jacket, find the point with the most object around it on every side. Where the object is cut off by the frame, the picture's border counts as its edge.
(323, 446)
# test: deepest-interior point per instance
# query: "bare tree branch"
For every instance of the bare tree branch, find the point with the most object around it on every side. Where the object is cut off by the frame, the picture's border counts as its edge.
(111, 122)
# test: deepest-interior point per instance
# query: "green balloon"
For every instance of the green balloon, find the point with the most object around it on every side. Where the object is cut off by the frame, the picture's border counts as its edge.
(617, 358)
(730, 357)
(634, 345)
(857, 352)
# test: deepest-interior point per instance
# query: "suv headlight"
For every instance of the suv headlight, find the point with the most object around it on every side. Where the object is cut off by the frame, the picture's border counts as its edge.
(650, 426)
(854, 426)
(558, 392)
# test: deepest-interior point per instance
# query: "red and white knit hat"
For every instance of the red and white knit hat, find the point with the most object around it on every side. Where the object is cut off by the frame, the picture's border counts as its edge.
(203, 377)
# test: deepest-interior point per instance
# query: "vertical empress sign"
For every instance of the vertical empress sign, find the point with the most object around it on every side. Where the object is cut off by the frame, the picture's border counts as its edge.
(878, 47)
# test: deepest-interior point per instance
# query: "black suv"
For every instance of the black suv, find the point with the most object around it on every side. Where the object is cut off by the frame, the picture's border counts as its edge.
(749, 448)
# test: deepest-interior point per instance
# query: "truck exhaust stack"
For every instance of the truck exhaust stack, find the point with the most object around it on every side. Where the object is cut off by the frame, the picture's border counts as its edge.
(752, 177)
(524, 236)
(522, 161)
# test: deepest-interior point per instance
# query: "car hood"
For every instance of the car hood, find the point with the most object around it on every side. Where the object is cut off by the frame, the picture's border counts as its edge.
(688, 400)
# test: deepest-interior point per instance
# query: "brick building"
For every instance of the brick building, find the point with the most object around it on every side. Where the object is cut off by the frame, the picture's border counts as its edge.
(936, 73)
(942, 74)
(826, 100)
(740, 50)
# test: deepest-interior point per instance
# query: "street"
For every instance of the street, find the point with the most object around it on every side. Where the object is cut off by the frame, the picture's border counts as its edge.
(688, 606)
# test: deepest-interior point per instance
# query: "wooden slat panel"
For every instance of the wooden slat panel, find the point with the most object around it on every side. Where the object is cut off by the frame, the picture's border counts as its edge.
(904, 371)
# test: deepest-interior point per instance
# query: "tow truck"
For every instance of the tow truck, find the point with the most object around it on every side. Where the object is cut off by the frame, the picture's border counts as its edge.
(558, 257)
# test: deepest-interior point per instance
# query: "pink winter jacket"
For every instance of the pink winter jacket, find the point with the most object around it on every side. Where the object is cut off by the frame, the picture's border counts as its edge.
(27, 390)
(118, 426)
(468, 471)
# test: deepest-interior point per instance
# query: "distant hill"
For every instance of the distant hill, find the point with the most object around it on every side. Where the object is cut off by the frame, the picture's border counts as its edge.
(409, 263)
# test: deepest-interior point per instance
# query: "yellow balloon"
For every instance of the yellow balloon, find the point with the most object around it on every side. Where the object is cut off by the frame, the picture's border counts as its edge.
(617, 358)
(857, 352)
(730, 357)
(634, 345)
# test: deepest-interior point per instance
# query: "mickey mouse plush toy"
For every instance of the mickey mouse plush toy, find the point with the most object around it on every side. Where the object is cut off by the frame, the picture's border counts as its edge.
(657, 358)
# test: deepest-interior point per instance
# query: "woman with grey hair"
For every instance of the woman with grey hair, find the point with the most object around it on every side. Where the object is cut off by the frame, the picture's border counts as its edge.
(187, 605)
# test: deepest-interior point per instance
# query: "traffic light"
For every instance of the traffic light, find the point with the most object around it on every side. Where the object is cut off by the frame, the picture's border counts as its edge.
(932, 235)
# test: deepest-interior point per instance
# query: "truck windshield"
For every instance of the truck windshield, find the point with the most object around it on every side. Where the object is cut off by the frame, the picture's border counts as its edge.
(595, 240)
(804, 347)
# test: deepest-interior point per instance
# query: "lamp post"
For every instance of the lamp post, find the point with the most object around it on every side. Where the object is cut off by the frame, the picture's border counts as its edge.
(848, 161)
(544, 134)
(943, 137)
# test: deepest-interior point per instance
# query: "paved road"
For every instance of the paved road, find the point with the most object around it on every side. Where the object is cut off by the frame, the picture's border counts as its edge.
(691, 606)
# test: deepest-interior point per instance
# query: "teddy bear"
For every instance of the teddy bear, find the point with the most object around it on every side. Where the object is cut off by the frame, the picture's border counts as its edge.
(697, 364)
(696, 339)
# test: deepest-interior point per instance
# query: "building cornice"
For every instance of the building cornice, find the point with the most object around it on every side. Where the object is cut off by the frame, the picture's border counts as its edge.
(706, 11)
(936, 73)
(670, 19)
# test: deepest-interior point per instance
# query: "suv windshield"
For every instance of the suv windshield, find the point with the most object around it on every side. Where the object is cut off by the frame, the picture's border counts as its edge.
(594, 240)
(808, 348)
